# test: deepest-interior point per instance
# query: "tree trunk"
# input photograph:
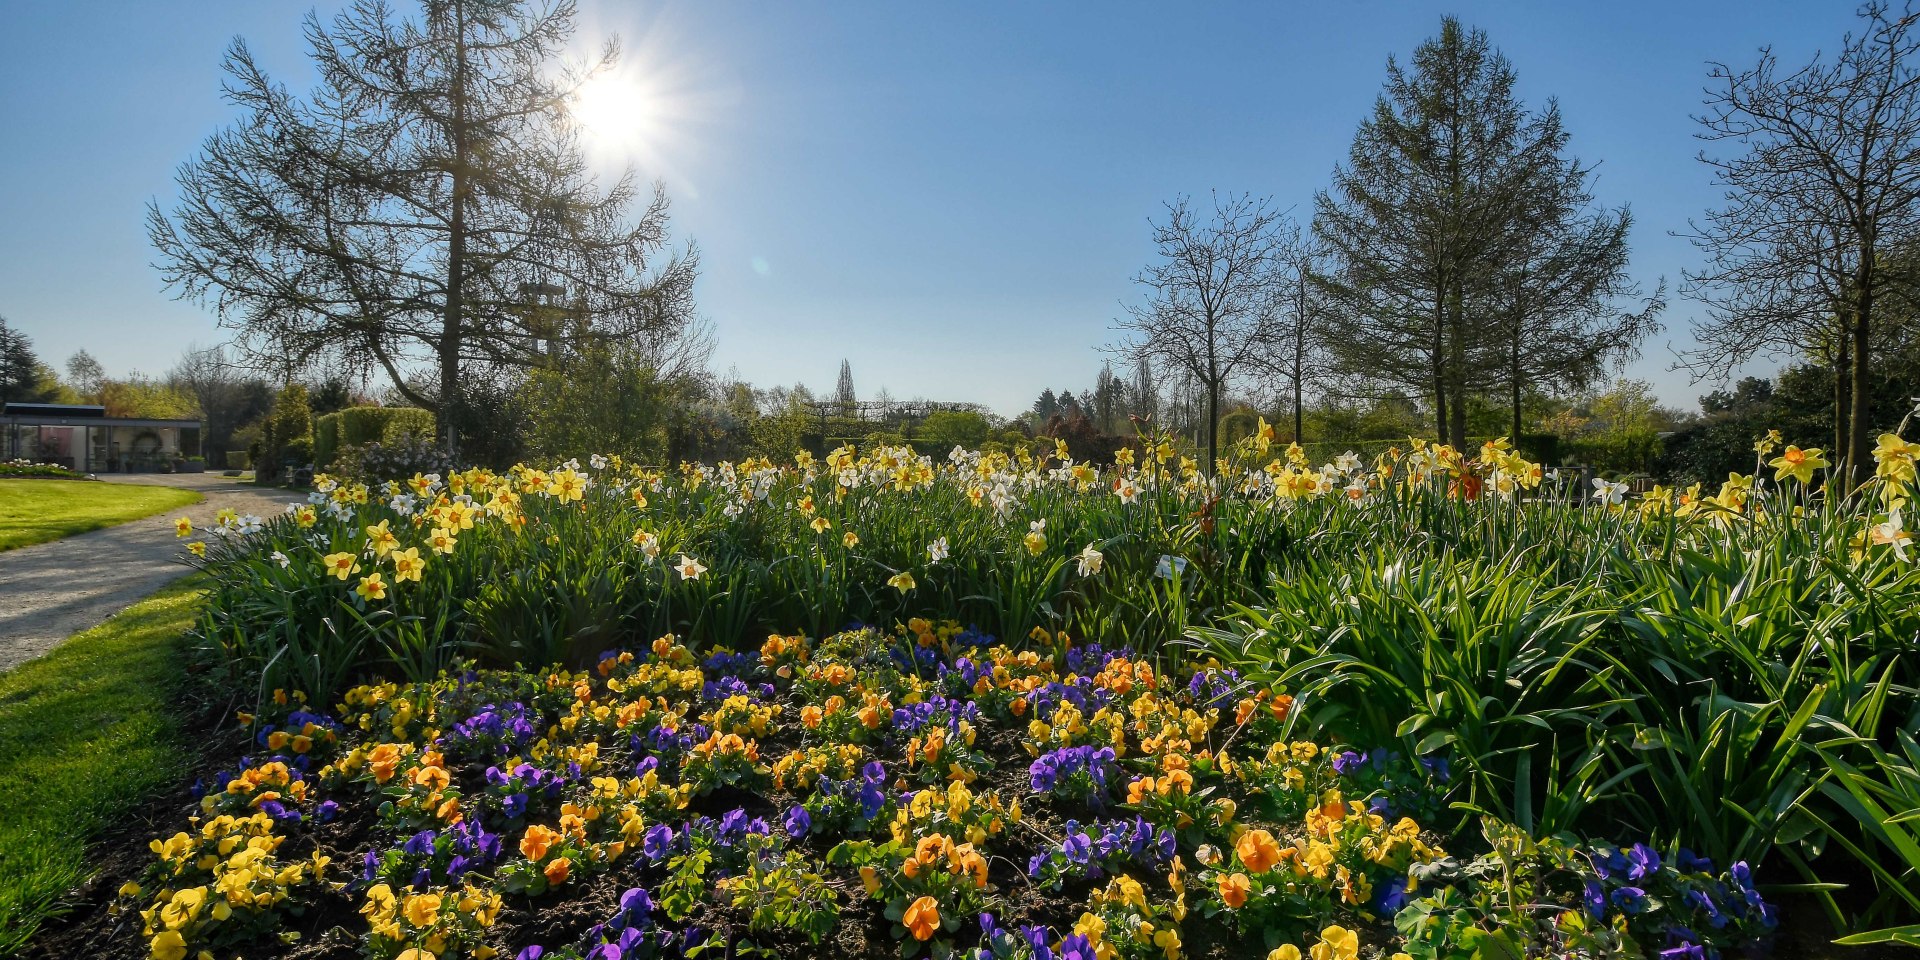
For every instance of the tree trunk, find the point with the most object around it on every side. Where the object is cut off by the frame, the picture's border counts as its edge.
(449, 415)
(1842, 369)
(1859, 454)
(1439, 365)
(1213, 425)
(1456, 375)
(1514, 375)
(1299, 355)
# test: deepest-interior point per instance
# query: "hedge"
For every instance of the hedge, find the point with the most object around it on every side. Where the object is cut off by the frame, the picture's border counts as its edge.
(359, 426)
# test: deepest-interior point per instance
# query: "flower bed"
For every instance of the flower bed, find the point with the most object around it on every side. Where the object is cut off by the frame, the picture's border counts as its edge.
(1239, 714)
(920, 791)
(29, 468)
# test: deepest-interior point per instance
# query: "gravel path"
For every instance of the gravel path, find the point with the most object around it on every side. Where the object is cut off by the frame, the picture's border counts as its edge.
(51, 591)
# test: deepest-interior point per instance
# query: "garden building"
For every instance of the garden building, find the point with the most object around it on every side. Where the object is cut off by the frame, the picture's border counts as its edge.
(83, 438)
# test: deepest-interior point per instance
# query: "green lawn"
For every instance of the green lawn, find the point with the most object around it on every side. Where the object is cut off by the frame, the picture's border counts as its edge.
(36, 511)
(87, 733)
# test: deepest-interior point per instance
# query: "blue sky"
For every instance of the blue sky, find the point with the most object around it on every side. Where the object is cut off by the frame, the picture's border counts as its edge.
(953, 197)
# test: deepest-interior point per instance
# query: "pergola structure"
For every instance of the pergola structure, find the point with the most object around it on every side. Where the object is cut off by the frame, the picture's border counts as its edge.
(83, 438)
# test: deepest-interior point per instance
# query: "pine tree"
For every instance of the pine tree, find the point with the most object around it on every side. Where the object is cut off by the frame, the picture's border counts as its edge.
(1466, 254)
(845, 402)
(19, 368)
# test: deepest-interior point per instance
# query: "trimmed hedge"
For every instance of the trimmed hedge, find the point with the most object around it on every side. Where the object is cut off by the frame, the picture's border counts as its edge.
(359, 426)
(326, 438)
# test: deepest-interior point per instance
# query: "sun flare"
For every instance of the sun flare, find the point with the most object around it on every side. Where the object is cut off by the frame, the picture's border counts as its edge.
(614, 109)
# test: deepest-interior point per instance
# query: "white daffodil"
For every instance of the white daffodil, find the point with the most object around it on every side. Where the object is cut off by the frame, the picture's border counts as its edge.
(1609, 492)
(648, 544)
(1893, 534)
(689, 568)
(937, 550)
(1090, 561)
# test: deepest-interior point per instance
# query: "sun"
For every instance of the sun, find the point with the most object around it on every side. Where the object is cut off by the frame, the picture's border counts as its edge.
(614, 110)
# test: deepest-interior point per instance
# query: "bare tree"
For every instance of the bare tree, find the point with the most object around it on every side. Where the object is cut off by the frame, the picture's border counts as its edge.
(228, 394)
(86, 374)
(426, 210)
(1208, 311)
(1299, 354)
(1800, 260)
(1560, 296)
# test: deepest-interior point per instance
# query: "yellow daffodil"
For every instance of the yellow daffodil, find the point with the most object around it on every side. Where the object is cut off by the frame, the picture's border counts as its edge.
(372, 587)
(341, 565)
(1797, 463)
(902, 581)
(381, 539)
(183, 528)
(407, 565)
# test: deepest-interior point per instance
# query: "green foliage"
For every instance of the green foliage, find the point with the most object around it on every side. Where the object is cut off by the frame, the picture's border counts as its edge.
(1586, 670)
(141, 397)
(1798, 402)
(109, 692)
(782, 891)
(38, 510)
(1614, 431)
(600, 398)
(287, 432)
(951, 428)
(326, 438)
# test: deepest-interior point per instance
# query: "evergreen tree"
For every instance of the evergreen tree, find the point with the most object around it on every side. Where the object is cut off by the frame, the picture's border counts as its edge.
(1466, 255)
(1107, 401)
(19, 368)
(1047, 406)
(845, 402)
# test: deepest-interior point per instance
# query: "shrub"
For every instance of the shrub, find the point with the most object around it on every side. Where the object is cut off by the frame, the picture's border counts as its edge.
(954, 428)
(28, 468)
(359, 426)
(326, 437)
(378, 462)
(290, 423)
